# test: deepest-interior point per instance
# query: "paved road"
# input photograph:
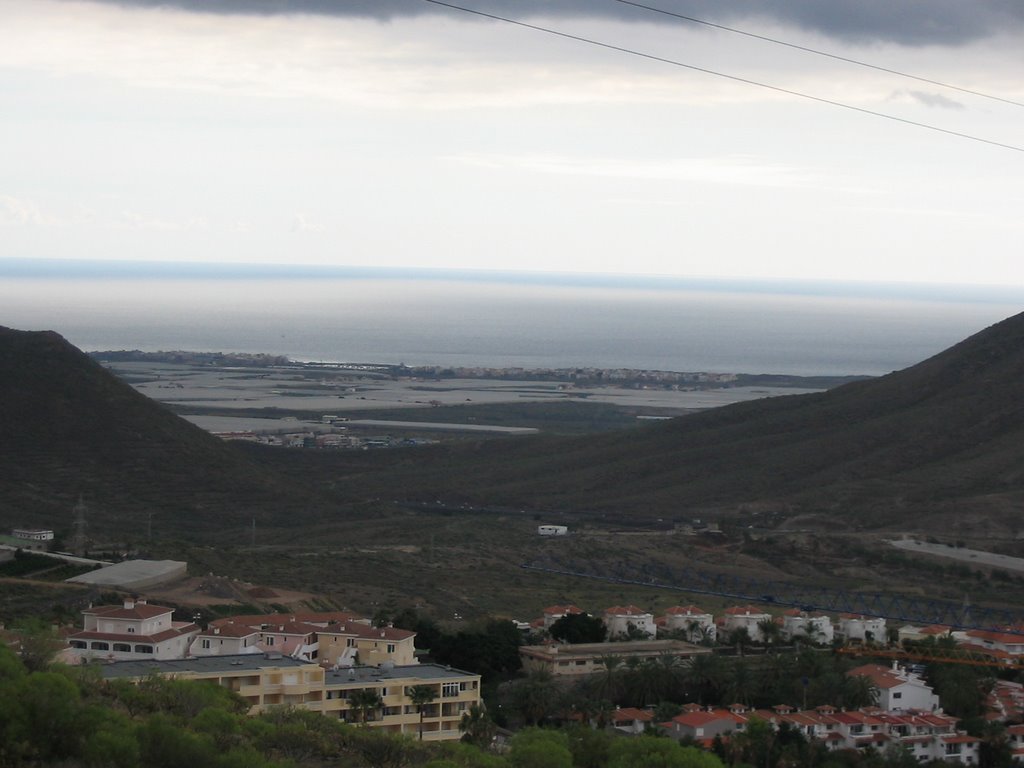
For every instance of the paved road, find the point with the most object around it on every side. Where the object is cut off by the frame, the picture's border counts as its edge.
(975, 556)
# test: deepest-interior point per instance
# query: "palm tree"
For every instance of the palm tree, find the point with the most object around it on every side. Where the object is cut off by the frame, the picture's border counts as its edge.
(769, 630)
(363, 702)
(859, 691)
(421, 696)
(477, 727)
(706, 676)
(607, 685)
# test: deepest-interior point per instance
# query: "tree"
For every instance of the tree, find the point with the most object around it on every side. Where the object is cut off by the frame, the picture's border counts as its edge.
(770, 631)
(655, 752)
(579, 628)
(608, 684)
(421, 696)
(859, 691)
(363, 702)
(535, 697)
(477, 726)
(539, 748)
(39, 644)
(706, 677)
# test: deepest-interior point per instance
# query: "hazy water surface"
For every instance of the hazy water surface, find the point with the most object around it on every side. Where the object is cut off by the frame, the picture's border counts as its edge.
(502, 324)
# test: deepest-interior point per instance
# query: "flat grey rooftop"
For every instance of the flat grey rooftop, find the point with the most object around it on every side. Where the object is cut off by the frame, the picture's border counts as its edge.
(249, 662)
(133, 572)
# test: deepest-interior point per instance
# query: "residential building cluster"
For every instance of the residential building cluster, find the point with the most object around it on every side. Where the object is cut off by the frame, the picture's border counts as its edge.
(315, 661)
(926, 734)
(696, 625)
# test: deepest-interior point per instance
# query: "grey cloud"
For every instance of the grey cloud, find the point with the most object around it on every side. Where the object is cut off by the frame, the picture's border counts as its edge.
(935, 100)
(909, 22)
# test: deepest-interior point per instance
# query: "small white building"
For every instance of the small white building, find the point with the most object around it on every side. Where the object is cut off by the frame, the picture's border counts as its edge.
(815, 628)
(555, 612)
(695, 624)
(862, 628)
(629, 621)
(746, 617)
(32, 534)
(1009, 641)
(552, 530)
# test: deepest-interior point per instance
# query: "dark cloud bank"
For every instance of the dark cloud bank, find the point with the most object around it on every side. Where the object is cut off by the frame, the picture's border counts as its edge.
(909, 22)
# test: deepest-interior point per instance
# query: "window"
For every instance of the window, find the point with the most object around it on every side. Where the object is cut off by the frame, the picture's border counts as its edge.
(131, 630)
(205, 644)
(98, 645)
(79, 644)
(122, 647)
(270, 640)
(391, 647)
(350, 643)
(897, 695)
(450, 689)
(143, 648)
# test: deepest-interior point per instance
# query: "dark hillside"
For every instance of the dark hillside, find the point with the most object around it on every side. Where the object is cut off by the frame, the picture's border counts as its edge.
(944, 435)
(70, 428)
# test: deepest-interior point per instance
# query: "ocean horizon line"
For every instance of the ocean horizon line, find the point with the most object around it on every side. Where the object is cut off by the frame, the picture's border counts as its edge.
(113, 269)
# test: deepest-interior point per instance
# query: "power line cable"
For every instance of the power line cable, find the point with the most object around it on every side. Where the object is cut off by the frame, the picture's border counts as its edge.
(817, 52)
(735, 78)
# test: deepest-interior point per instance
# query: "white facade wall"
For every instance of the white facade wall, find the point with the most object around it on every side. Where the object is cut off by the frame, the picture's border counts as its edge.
(695, 626)
(817, 628)
(619, 623)
(862, 628)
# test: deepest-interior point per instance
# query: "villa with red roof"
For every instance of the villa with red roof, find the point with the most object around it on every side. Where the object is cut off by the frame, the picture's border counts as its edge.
(621, 619)
(131, 630)
(815, 628)
(898, 689)
(854, 626)
(746, 617)
(1009, 640)
(631, 720)
(338, 639)
(555, 612)
(694, 624)
(927, 735)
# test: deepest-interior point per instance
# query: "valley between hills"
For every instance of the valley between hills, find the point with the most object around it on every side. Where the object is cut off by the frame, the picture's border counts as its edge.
(807, 488)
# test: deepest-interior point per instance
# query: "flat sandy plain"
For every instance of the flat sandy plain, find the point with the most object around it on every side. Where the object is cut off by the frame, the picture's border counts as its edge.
(282, 390)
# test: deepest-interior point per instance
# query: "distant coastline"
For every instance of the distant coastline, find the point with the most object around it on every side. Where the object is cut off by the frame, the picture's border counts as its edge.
(588, 376)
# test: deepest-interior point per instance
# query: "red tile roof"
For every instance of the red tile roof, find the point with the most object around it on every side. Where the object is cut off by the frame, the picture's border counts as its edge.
(626, 610)
(137, 611)
(689, 610)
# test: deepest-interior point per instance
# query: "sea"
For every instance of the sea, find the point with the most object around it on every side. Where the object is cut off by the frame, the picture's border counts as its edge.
(499, 319)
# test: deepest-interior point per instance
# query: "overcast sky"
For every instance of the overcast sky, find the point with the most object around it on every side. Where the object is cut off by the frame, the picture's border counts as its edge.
(402, 133)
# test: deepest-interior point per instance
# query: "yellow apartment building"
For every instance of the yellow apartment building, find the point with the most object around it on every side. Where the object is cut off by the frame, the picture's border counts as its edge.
(269, 680)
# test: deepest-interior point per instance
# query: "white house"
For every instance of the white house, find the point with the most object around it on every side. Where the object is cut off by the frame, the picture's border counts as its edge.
(1009, 641)
(898, 689)
(552, 530)
(555, 612)
(863, 628)
(629, 621)
(813, 627)
(746, 617)
(695, 624)
(133, 630)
